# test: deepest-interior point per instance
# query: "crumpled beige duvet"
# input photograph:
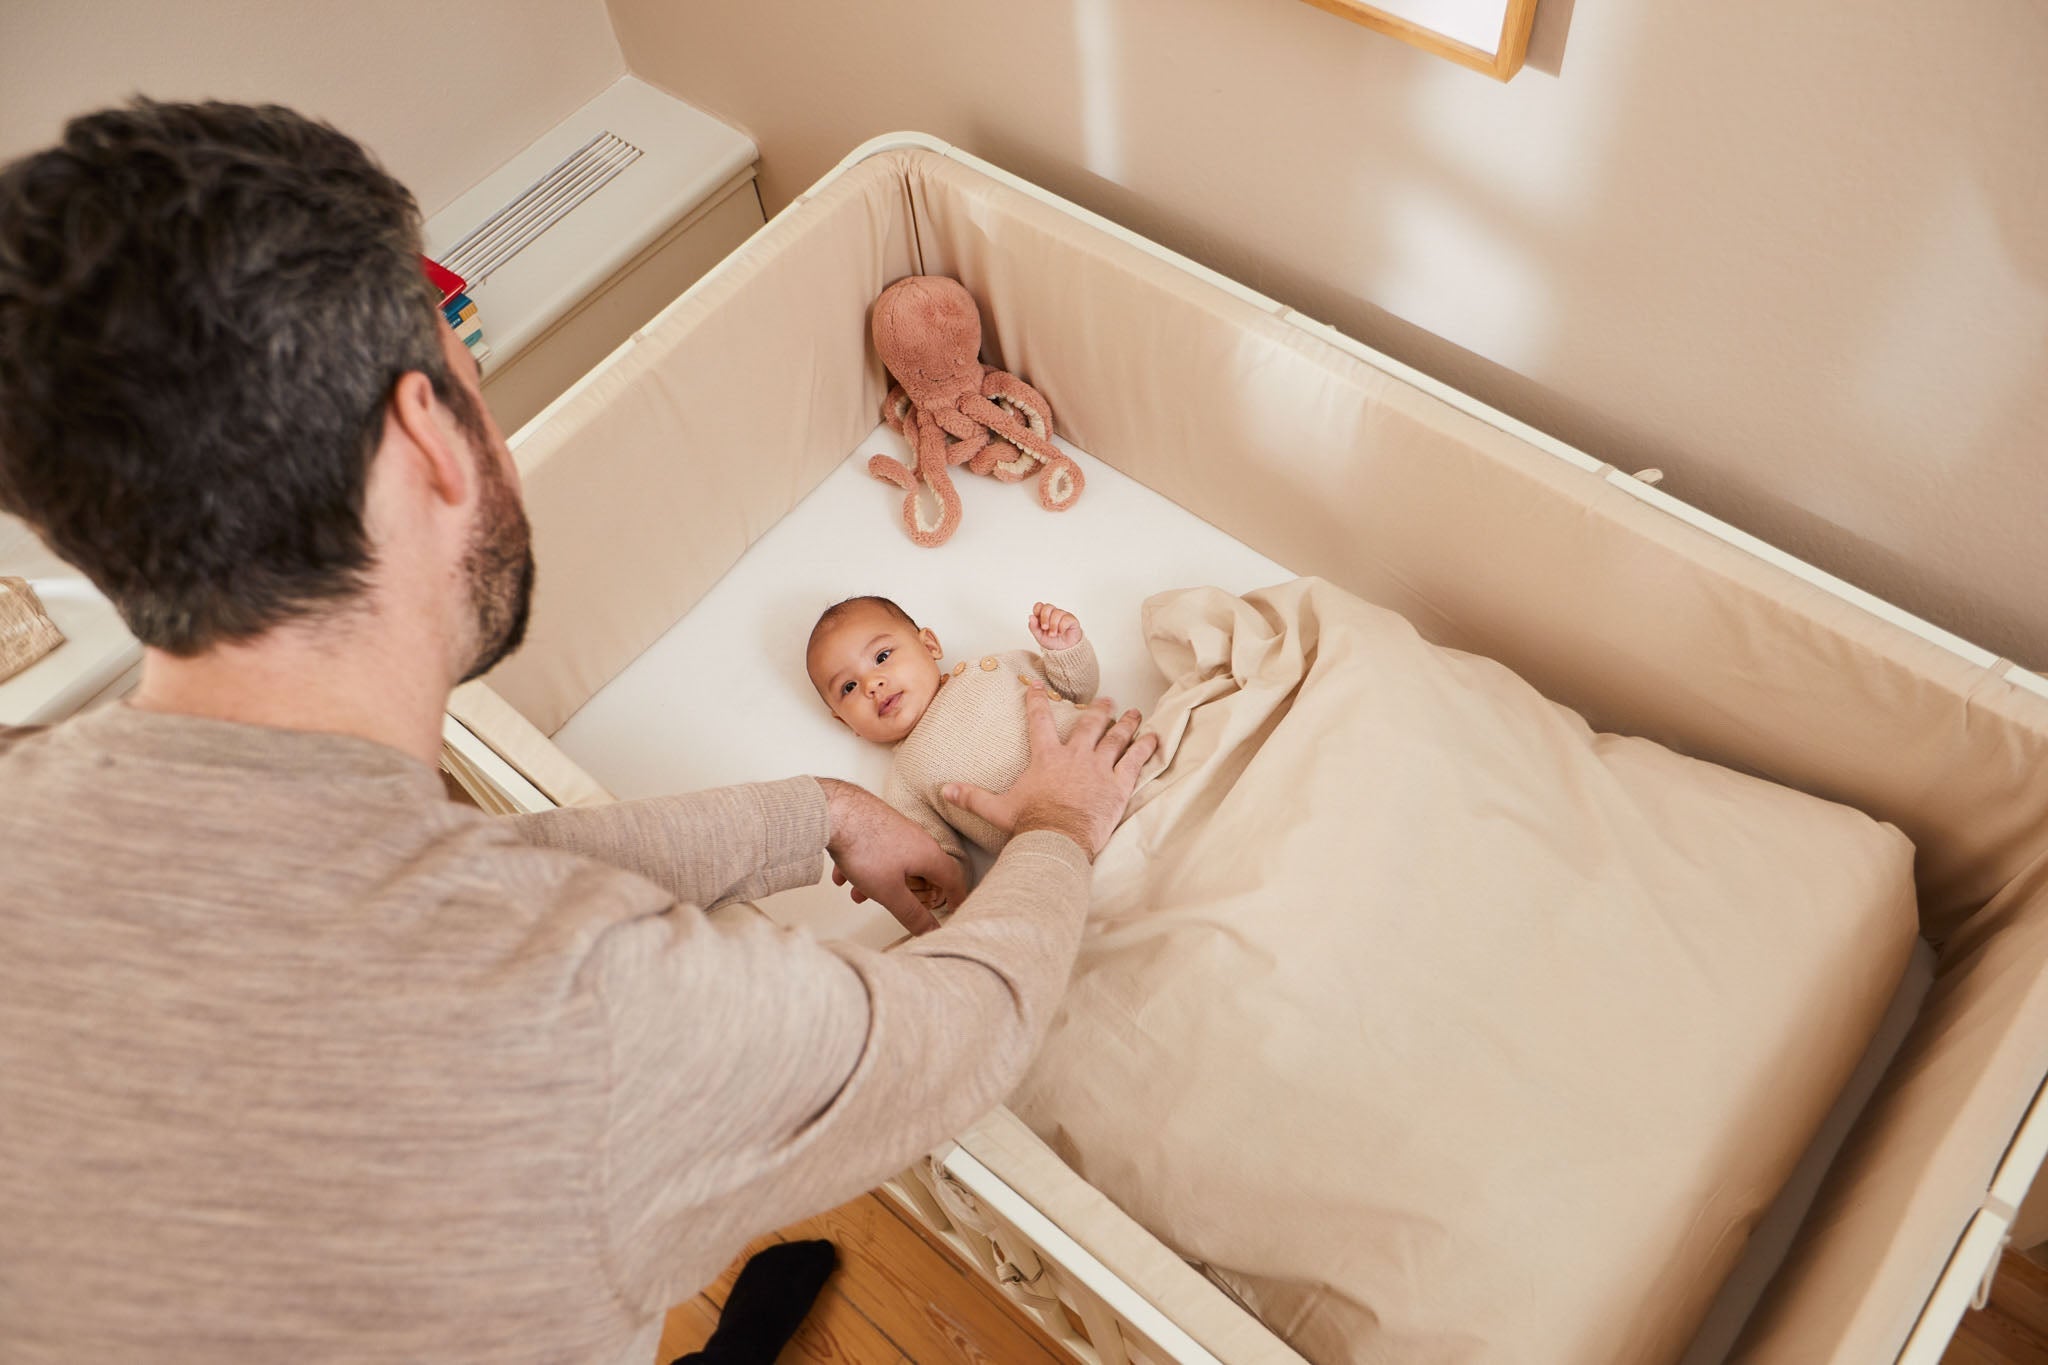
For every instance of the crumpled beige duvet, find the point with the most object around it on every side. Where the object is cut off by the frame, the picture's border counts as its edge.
(1439, 1027)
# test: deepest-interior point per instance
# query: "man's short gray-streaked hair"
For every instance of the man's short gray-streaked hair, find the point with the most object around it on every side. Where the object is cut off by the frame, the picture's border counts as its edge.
(203, 311)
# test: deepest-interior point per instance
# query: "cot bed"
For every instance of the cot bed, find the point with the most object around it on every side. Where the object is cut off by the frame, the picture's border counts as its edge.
(651, 479)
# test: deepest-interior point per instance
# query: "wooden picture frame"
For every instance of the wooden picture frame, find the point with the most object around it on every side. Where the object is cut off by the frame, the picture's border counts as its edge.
(1457, 29)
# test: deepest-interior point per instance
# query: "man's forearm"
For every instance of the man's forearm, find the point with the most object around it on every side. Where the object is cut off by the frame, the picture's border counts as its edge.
(705, 848)
(1004, 960)
(840, 800)
(953, 1019)
(821, 1069)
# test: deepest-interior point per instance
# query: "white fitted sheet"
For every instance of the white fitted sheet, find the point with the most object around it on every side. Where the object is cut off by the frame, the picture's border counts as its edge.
(722, 696)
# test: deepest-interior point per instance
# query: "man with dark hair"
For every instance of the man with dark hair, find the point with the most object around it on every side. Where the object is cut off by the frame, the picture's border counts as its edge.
(299, 1060)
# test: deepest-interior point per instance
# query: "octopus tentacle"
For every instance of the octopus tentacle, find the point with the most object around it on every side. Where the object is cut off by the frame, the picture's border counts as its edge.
(1004, 431)
(931, 472)
(1060, 481)
(897, 412)
(1060, 484)
(1009, 456)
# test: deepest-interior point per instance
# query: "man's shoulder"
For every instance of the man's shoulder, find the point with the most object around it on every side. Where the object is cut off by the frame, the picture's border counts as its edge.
(365, 830)
(15, 738)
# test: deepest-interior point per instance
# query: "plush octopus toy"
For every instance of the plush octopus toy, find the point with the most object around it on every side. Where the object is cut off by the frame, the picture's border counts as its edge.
(954, 410)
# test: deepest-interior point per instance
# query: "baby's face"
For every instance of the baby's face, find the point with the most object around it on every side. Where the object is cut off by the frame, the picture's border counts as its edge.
(875, 672)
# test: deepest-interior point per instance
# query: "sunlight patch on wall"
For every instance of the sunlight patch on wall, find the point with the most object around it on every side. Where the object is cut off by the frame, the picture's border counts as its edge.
(1538, 146)
(1957, 336)
(1463, 277)
(1101, 121)
(1472, 233)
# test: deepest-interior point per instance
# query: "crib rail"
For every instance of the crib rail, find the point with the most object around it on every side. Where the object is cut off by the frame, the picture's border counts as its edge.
(1965, 1282)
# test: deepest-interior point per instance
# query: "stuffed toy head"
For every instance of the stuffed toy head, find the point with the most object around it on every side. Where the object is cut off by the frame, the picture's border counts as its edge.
(928, 332)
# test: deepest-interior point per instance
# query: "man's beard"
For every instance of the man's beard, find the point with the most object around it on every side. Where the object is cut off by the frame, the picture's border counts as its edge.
(499, 561)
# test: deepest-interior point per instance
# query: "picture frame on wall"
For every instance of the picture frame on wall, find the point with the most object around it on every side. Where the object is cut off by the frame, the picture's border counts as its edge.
(1487, 35)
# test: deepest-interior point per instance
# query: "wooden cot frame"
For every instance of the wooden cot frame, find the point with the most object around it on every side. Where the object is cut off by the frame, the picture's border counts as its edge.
(1099, 1317)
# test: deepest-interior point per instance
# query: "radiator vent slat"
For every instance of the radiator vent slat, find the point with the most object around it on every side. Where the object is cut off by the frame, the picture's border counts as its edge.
(512, 228)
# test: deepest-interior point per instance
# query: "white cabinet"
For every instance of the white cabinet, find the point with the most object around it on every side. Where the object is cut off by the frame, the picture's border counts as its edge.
(589, 232)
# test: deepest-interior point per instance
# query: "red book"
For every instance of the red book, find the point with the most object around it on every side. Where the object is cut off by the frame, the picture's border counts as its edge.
(447, 281)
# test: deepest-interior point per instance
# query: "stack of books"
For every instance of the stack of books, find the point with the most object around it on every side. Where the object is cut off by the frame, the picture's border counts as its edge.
(458, 308)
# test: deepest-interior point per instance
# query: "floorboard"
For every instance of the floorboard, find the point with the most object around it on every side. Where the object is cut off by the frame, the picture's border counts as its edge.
(896, 1299)
(2013, 1330)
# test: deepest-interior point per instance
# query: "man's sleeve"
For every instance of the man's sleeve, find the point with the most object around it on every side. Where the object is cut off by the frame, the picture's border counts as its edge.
(707, 848)
(759, 1077)
(1073, 673)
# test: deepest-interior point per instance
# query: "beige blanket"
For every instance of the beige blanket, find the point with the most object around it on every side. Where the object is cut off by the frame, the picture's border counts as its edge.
(1439, 1027)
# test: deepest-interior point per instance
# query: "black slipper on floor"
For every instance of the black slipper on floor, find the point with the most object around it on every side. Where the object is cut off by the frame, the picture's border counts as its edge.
(775, 1289)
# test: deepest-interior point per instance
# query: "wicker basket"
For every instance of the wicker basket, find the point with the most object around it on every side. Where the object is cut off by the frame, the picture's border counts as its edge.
(26, 633)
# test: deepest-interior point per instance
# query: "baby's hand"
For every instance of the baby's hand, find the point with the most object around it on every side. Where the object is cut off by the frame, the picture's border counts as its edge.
(929, 894)
(1053, 628)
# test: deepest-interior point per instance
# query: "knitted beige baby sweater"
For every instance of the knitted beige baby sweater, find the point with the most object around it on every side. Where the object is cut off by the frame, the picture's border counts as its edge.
(974, 731)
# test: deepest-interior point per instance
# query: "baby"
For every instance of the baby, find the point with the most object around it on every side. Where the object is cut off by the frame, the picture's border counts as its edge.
(880, 674)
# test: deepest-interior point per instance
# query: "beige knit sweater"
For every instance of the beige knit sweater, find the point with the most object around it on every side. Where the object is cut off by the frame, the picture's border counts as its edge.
(974, 731)
(301, 1062)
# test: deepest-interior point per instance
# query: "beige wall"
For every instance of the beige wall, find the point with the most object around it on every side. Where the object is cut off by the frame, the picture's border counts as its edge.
(444, 92)
(1797, 255)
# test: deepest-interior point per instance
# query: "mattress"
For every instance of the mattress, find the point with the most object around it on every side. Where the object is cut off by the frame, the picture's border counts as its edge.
(722, 697)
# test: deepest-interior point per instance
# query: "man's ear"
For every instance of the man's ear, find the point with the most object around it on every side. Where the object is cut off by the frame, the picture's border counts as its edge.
(443, 465)
(931, 645)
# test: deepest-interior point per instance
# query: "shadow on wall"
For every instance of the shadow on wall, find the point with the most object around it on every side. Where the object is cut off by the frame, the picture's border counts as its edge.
(1546, 37)
(1705, 250)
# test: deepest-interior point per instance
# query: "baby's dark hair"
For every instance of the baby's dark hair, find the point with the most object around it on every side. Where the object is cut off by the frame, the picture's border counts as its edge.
(833, 614)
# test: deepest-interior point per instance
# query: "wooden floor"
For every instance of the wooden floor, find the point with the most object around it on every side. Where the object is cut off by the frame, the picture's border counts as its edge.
(901, 1297)
(898, 1296)
(2014, 1329)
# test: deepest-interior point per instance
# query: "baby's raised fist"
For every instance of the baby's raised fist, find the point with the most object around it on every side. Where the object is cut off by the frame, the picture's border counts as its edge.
(1052, 627)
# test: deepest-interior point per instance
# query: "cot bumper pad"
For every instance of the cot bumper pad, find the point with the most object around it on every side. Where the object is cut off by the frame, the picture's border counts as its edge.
(1440, 1026)
(731, 404)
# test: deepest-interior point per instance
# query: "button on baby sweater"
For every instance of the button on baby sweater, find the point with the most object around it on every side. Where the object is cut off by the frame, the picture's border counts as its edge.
(974, 732)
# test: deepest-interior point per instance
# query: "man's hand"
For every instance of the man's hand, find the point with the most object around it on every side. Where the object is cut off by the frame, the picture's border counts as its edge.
(1077, 787)
(1052, 627)
(888, 859)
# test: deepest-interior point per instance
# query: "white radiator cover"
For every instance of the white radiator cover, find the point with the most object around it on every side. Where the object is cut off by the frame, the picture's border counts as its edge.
(613, 257)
